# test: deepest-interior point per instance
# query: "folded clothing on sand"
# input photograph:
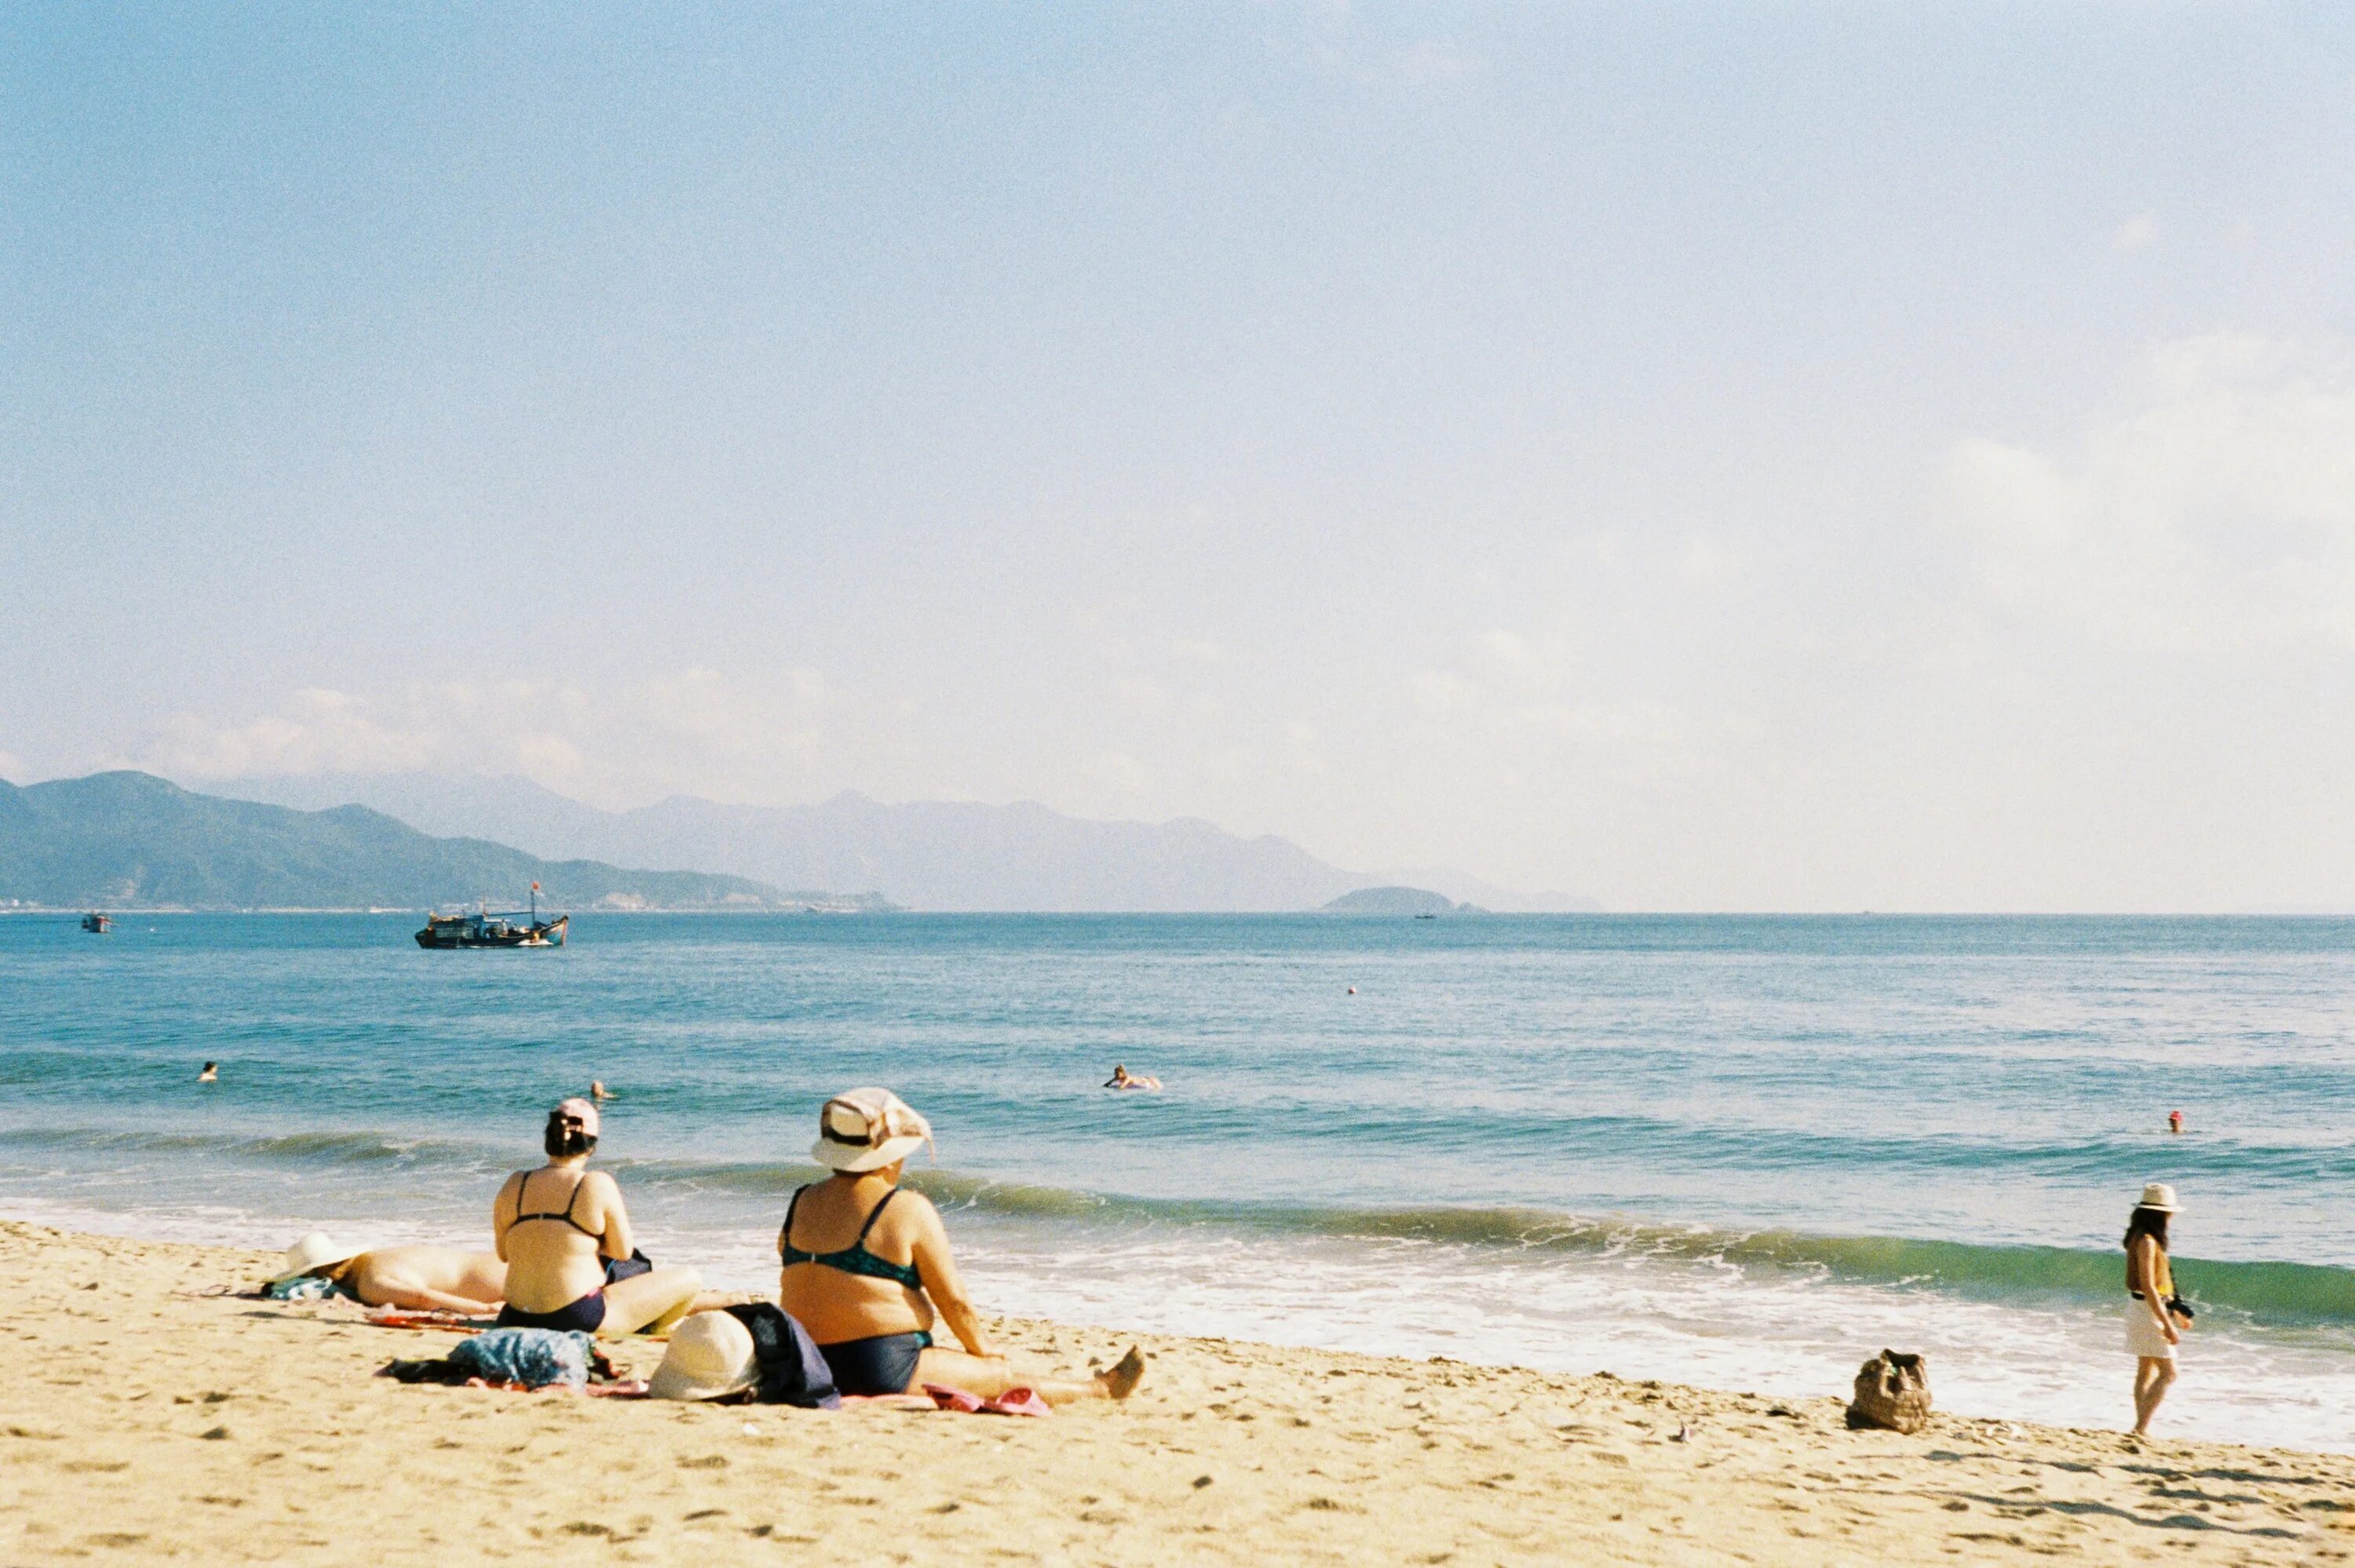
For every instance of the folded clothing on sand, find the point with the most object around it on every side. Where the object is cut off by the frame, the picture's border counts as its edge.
(520, 1358)
(532, 1357)
(307, 1288)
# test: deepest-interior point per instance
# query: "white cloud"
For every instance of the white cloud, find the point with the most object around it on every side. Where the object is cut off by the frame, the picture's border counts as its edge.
(2215, 511)
(1120, 773)
(2134, 233)
(691, 729)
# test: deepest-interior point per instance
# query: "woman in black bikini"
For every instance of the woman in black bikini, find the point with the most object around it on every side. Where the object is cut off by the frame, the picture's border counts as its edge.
(867, 1265)
(561, 1231)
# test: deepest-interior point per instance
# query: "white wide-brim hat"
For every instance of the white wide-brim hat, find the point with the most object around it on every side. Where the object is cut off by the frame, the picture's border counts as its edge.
(710, 1356)
(313, 1253)
(2160, 1196)
(867, 1129)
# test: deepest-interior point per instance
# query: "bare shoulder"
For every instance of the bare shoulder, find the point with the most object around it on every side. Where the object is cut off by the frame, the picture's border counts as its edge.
(913, 1215)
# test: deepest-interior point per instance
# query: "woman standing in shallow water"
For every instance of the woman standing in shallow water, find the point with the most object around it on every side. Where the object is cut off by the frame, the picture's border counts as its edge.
(2151, 1332)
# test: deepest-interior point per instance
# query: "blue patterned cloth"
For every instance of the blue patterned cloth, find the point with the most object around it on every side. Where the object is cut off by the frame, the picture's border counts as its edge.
(532, 1357)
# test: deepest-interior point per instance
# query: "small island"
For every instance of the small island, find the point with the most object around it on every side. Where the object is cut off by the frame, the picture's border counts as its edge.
(1396, 900)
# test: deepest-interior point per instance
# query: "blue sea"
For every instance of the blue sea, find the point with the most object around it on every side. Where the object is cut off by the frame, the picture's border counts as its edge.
(1741, 1151)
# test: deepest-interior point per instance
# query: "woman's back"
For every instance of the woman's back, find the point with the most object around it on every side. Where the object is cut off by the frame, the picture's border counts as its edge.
(848, 1248)
(552, 1223)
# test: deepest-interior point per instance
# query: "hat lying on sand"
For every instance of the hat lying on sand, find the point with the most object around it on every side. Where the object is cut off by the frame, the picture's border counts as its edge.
(2160, 1196)
(867, 1129)
(710, 1356)
(313, 1253)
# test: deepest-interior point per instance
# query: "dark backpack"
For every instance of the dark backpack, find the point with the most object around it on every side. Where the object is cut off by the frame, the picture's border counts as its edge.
(792, 1370)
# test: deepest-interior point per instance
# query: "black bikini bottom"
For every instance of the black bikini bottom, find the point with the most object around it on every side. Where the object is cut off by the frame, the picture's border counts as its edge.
(585, 1315)
(884, 1364)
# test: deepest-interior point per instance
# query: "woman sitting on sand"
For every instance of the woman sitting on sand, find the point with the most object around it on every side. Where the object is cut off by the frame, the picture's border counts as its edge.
(558, 1227)
(420, 1279)
(2153, 1311)
(867, 1264)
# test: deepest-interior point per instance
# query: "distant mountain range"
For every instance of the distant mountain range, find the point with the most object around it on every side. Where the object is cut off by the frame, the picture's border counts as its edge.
(131, 840)
(927, 854)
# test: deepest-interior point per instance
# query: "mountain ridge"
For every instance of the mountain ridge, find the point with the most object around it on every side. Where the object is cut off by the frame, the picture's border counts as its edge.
(949, 855)
(130, 838)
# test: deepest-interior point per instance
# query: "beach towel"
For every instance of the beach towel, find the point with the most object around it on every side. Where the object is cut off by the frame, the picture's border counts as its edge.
(535, 1358)
(793, 1369)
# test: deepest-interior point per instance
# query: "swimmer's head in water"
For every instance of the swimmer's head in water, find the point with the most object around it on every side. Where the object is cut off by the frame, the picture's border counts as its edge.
(572, 1128)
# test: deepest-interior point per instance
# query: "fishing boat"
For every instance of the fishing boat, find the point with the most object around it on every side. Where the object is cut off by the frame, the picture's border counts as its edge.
(483, 927)
(94, 921)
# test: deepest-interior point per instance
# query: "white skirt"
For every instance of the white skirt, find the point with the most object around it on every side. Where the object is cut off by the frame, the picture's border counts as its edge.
(2143, 1337)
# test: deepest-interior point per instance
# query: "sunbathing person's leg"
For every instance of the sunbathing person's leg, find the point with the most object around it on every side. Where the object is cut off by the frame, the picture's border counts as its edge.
(652, 1301)
(989, 1376)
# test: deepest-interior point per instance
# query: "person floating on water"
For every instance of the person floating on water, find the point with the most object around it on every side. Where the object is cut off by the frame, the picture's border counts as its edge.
(211, 1075)
(1122, 1078)
(2175, 1121)
(2156, 1314)
(865, 1266)
(597, 1090)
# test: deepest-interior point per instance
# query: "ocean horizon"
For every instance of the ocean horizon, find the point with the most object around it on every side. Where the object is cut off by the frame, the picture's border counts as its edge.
(1742, 1151)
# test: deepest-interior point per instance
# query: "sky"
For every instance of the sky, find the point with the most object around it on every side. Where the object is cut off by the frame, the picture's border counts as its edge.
(1701, 457)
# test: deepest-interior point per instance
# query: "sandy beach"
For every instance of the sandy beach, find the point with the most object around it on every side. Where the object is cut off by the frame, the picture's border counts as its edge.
(151, 1420)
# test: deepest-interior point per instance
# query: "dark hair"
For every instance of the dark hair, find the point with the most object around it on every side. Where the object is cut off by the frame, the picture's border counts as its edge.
(566, 1136)
(210, 1065)
(2148, 1222)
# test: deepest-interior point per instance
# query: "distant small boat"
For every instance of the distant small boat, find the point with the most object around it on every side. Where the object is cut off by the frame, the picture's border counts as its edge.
(97, 922)
(1426, 917)
(485, 928)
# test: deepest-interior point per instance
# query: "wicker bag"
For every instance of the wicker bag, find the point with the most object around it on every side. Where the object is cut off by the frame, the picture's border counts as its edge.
(1892, 1391)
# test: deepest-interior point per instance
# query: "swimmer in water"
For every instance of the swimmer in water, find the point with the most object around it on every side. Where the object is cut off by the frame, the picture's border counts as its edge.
(2175, 1121)
(597, 1090)
(211, 1075)
(1122, 1078)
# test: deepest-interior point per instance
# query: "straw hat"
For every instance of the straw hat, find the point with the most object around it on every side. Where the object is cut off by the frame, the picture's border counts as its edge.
(867, 1129)
(313, 1253)
(2160, 1196)
(710, 1356)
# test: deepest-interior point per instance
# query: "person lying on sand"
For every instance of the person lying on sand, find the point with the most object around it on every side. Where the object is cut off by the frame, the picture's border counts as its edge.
(867, 1267)
(420, 1279)
(558, 1226)
(1122, 1078)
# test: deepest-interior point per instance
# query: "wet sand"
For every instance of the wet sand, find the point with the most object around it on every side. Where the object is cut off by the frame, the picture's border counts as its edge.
(147, 1419)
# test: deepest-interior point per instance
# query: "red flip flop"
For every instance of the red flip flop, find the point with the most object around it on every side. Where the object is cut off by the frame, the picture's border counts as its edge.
(1018, 1402)
(944, 1397)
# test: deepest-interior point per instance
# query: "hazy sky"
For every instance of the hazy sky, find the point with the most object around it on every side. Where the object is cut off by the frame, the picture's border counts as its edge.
(1771, 456)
